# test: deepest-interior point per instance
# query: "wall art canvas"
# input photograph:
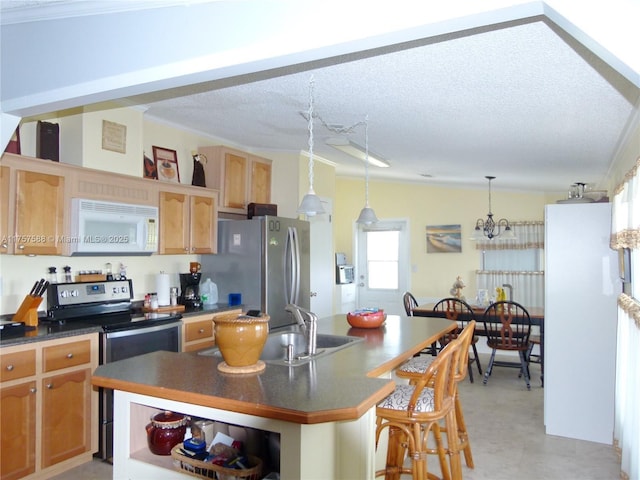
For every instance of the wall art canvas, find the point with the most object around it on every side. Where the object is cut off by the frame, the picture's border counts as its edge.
(444, 239)
(166, 161)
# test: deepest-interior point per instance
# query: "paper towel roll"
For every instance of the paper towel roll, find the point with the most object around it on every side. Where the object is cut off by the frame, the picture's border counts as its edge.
(163, 289)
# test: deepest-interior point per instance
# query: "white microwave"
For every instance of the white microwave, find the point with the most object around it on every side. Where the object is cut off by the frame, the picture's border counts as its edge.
(104, 228)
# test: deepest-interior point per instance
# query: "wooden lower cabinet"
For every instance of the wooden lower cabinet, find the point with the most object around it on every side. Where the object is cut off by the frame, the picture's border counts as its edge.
(48, 407)
(18, 430)
(197, 331)
(66, 431)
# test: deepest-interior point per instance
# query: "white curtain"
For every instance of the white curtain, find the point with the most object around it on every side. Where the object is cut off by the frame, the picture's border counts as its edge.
(528, 287)
(625, 233)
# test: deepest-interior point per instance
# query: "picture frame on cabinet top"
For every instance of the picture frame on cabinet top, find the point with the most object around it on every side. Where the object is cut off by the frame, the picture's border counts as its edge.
(149, 169)
(14, 143)
(166, 161)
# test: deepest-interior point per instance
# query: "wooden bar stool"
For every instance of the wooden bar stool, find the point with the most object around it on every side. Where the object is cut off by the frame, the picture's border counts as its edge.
(412, 411)
(416, 366)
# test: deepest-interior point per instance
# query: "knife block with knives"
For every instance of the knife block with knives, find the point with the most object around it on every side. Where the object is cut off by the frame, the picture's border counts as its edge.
(28, 310)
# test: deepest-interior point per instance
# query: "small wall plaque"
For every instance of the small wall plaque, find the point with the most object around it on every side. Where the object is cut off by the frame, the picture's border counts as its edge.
(114, 137)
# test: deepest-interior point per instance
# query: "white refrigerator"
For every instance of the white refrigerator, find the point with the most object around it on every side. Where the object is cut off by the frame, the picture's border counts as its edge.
(581, 290)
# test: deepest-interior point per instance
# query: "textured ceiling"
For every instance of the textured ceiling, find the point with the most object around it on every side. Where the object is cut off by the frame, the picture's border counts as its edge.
(523, 101)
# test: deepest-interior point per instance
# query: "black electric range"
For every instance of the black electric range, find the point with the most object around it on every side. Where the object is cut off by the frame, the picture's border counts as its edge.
(104, 303)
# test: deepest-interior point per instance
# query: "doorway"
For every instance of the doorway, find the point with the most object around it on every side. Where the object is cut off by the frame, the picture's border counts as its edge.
(382, 276)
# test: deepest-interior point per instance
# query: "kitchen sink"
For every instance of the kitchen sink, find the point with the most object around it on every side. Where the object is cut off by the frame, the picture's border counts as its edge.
(275, 348)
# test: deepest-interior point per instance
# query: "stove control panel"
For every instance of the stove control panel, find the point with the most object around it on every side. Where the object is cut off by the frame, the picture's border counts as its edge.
(66, 294)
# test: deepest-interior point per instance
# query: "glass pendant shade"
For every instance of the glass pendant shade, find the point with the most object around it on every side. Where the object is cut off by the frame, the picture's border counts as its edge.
(311, 204)
(367, 216)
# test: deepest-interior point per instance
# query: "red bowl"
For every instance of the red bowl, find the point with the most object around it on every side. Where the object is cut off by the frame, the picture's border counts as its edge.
(366, 320)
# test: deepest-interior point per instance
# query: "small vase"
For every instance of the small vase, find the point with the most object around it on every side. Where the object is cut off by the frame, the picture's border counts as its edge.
(241, 339)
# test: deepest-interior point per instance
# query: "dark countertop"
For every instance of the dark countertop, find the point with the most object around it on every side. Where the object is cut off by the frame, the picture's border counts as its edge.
(336, 387)
(49, 331)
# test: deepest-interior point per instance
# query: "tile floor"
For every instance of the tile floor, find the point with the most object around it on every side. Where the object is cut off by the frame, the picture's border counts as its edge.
(505, 423)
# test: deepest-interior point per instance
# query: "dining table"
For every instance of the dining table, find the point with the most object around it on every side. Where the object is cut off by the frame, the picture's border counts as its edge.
(535, 313)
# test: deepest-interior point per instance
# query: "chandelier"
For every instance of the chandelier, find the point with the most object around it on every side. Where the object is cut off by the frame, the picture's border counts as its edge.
(491, 228)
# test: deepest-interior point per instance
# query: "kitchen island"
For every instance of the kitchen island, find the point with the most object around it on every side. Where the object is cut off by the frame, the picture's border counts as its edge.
(323, 410)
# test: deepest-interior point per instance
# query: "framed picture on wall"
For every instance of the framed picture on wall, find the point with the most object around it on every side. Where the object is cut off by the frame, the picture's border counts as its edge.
(444, 239)
(166, 161)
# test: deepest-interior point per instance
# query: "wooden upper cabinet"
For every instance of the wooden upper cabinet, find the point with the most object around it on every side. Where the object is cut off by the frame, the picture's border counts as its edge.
(39, 213)
(4, 209)
(260, 180)
(174, 217)
(240, 177)
(203, 224)
(235, 180)
(188, 223)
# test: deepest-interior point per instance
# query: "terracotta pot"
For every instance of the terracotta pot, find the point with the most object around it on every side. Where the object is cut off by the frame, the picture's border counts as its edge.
(166, 430)
(241, 338)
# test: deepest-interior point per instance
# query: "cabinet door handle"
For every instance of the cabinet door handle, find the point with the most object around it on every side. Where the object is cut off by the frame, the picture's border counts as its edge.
(20, 247)
(10, 368)
(33, 390)
(4, 245)
(69, 355)
(201, 330)
(49, 386)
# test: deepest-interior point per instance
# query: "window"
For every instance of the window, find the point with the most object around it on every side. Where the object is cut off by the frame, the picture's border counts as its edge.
(382, 259)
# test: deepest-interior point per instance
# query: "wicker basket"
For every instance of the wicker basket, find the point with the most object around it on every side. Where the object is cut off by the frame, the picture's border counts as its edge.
(202, 469)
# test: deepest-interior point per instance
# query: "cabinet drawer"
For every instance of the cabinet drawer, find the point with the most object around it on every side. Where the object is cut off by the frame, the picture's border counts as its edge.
(17, 365)
(198, 330)
(66, 355)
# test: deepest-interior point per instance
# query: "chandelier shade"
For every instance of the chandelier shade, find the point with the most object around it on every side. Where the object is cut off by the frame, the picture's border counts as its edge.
(490, 228)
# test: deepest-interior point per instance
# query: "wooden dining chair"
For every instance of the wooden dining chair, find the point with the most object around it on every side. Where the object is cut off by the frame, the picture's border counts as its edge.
(457, 310)
(409, 302)
(412, 412)
(507, 327)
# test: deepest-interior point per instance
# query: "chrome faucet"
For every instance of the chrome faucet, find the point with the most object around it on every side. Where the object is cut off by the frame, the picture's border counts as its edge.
(309, 327)
(510, 287)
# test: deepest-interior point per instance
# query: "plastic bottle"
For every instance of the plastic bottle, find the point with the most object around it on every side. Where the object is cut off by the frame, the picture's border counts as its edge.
(209, 292)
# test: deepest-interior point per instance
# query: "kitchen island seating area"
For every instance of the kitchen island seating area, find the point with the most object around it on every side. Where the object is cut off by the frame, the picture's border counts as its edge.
(412, 412)
(412, 370)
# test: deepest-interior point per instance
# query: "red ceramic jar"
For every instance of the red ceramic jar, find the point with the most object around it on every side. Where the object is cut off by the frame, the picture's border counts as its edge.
(166, 430)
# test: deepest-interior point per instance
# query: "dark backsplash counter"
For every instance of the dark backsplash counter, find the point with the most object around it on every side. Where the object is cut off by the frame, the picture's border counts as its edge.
(49, 331)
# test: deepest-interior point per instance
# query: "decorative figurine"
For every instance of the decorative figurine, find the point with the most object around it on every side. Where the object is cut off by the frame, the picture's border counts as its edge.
(501, 295)
(456, 290)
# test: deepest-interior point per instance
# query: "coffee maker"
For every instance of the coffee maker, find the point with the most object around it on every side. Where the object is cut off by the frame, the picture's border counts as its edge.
(190, 290)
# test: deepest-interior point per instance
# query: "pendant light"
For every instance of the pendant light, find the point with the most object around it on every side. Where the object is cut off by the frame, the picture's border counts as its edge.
(490, 228)
(367, 215)
(311, 204)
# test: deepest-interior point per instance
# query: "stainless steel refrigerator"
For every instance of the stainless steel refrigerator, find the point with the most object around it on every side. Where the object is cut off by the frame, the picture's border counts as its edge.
(266, 259)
